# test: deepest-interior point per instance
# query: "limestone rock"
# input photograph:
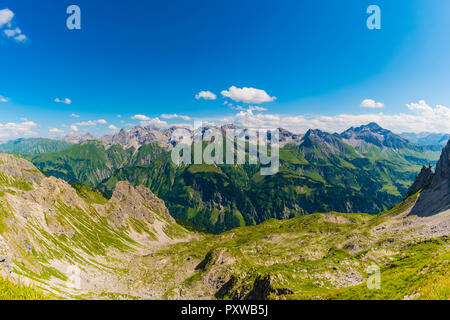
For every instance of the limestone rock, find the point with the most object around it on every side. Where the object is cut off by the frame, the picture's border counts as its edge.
(422, 181)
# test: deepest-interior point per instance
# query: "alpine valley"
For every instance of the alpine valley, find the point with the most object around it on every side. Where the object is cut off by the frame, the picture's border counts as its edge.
(115, 218)
(366, 169)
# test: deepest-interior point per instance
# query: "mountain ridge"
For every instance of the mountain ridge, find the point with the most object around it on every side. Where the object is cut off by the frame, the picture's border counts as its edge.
(313, 170)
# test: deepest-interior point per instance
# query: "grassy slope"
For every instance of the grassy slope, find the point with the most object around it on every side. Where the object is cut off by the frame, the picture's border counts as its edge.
(16, 291)
(313, 257)
(83, 237)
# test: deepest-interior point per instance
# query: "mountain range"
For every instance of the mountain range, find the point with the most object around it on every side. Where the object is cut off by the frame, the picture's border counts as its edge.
(426, 138)
(33, 146)
(70, 241)
(364, 169)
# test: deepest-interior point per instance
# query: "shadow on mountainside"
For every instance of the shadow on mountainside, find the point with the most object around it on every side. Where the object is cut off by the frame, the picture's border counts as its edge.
(435, 195)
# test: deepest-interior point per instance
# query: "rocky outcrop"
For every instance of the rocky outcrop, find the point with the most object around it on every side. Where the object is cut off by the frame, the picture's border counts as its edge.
(443, 166)
(435, 198)
(422, 181)
(5, 259)
(139, 203)
(16, 167)
(48, 227)
(154, 202)
(287, 137)
(263, 288)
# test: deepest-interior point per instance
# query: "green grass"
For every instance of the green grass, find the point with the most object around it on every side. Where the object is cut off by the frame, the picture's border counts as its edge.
(90, 195)
(17, 291)
(310, 255)
(15, 182)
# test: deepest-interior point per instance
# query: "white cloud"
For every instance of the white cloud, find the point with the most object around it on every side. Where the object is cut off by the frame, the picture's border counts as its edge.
(113, 127)
(247, 95)
(20, 38)
(3, 99)
(12, 32)
(15, 130)
(55, 130)
(251, 108)
(6, 16)
(421, 107)
(154, 122)
(420, 118)
(86, 123)
(140, 117)
(369, 103)
(91, 123)
(65, 100)
(257, 108)
(74, 115)
(74, 128)
(207, 95)
(147, 121)
(175, 116)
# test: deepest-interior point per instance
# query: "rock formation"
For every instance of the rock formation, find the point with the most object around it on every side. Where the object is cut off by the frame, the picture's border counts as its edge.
(436, 195)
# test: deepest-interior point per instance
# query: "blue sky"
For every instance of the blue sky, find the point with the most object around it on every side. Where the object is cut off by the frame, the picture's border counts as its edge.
(296, 64)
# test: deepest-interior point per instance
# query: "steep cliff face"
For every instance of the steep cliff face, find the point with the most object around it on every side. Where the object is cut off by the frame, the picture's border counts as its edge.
(443, 166)
(422, 181)
(435, 198)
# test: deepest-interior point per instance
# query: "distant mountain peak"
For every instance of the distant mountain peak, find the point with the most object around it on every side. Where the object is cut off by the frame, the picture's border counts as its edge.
(373, 125)
(370, 127)
(317, 133)
(374, 134)
(78, 138)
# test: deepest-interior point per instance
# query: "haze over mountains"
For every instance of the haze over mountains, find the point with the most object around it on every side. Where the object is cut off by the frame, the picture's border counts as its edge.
(425, 138)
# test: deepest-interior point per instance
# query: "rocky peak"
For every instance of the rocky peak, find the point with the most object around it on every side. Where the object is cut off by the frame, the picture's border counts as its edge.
(374, 134)
(331, 143)
(138, 136)
(443, 166)
(78, 138)
(422, 181)
(316, 133)
(139, 203)
(289, 137)
(436, 196)
(19, 168)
